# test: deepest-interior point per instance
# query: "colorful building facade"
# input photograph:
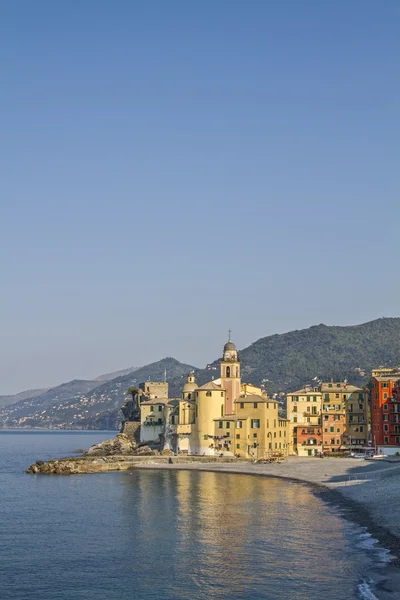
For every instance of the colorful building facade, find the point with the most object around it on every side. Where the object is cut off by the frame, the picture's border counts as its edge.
(385, 416)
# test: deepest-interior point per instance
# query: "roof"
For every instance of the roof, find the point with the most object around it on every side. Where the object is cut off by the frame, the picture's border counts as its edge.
(303, 392)
(229, 346)
(210, 386)
(228, 418)
(155, 401)
(252, 398)
(340, 386)
(392, 377)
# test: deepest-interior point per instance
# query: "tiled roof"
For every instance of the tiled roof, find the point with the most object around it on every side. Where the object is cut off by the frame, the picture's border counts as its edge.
(210, 386)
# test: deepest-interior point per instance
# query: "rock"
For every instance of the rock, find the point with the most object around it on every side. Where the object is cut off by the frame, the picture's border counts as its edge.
(167, 452)
(121, 444)
(145, 451)
(39, 463)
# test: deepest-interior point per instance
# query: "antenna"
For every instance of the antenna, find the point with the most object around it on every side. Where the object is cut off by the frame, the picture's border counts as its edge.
(229, 333)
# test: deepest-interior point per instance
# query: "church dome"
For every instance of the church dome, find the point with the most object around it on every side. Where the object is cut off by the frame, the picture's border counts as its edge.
(229, 346)
(190, 386)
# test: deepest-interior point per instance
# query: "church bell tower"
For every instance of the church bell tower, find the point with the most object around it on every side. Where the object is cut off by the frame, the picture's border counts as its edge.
(230, 375)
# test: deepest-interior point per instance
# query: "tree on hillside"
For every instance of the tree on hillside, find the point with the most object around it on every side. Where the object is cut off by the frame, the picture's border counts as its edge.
(132, 391)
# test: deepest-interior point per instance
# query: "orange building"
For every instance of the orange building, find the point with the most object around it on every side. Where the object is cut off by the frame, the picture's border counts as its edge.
(385, 425)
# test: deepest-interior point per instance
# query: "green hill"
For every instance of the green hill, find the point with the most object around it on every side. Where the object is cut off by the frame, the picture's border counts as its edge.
(289, 360)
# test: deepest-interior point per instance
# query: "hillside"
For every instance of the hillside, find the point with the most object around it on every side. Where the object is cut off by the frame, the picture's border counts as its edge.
(278, 362)
(287, 361)
(14, 398)
(87, 405)
(115, 374)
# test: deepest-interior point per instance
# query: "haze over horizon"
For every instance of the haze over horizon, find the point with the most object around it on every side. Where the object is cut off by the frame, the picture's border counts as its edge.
(173, 170)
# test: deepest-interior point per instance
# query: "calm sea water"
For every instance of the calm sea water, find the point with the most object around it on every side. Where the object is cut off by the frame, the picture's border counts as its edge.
(172, 535)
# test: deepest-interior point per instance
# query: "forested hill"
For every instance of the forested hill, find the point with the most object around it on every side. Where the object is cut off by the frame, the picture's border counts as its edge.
(287, 361)
(292, 359)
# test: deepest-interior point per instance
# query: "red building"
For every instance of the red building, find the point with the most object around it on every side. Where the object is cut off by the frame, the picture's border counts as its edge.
(385, 407)
(309, 439)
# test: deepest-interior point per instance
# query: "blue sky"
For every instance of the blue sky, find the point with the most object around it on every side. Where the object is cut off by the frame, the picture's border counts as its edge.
(174, 169)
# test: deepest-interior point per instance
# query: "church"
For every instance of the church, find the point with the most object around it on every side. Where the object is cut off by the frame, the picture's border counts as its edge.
(222, 417)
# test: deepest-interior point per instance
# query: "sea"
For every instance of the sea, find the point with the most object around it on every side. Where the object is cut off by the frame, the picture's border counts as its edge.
(171, 535)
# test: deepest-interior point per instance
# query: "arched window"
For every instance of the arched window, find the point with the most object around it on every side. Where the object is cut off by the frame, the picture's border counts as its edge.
(228, 371)
(189, 396)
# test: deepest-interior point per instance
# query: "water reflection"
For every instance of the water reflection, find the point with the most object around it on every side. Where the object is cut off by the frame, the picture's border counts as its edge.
(201, 535)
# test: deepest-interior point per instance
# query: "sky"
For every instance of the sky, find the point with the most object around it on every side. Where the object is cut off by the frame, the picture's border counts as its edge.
(170, 170)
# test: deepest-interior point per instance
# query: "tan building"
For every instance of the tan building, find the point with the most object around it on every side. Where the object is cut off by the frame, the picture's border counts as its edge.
(304, 409)
(344, 416)
(327, 418)
(255, 431)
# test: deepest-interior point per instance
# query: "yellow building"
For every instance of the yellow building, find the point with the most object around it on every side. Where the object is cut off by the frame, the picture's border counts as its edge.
(304, 409)
(327, 418)
(222, 416)
(254, 431)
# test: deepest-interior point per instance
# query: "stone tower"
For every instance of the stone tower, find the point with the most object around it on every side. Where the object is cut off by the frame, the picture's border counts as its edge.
(230, 376)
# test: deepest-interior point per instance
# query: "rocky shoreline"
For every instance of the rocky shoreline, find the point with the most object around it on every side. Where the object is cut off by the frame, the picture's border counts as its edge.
(118, 454)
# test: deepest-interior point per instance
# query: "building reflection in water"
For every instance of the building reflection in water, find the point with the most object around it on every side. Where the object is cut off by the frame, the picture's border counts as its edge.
(224, 535)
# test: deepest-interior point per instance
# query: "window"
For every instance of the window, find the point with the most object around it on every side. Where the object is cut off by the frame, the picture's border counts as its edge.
(228, 424)
(208, 393)
(386, 440)
(386, 428)
(220, 424)
(239, 425)
(350, 408)
(242, 405)
(338, 442)
(337, 396)
(255, 423)
(332, 442)
(308, 398)
(330, 385)
(361, 429)
(228, 434)
(337, 430)
(237, 445)
(238, 436)
(294, 419)
(274, 434)
(228, 371)
(159, 408)
(255, 445)
(254, 435)
(326, 397)
(385, 396)
(331, 429)
(222, 393)
(385, 407)
(255, 404)
(294, 408)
